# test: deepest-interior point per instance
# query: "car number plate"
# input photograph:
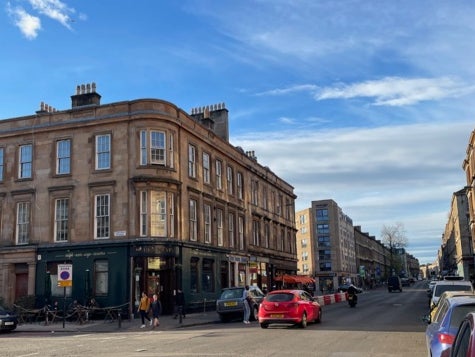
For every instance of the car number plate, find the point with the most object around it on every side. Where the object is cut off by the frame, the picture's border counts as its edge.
(7, 323)
(230, 304)
(277, 316)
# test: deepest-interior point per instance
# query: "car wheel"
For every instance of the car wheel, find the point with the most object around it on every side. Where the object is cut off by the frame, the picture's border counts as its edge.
(304, 321)
(264, 325)
(319, 317)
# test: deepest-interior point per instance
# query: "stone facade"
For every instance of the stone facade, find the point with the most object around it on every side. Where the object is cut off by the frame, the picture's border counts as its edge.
(138, 196)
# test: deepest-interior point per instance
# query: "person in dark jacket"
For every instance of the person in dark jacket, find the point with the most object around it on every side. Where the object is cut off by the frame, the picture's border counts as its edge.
(179, 304)
(156, 309)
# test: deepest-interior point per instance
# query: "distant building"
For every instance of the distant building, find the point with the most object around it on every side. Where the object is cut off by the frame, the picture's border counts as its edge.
(136, 196)
(326, 244)
(456, 256)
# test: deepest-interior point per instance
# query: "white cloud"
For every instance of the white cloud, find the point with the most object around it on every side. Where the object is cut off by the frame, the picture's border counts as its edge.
(54, 9)
(29, 25)
(403, 173)
(396, 91)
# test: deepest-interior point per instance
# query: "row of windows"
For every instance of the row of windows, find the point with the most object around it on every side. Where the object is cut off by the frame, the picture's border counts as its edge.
(62, 219)
(234, 182)
(235, 229)
(157, 218)
(153, 150)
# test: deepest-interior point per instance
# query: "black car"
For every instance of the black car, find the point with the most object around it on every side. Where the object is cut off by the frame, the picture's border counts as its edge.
(394, 283)
(8, 319)
(231, 303)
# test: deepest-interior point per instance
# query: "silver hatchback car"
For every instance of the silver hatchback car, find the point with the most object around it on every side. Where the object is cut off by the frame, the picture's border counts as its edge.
(230, 303)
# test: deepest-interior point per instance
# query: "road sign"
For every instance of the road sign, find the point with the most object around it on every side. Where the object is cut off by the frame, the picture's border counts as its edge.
(65, 275)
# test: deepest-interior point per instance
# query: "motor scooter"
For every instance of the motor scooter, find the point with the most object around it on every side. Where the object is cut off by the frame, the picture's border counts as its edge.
(352, 299)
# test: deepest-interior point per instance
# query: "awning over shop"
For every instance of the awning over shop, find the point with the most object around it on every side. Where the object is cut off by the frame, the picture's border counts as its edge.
(295, 279)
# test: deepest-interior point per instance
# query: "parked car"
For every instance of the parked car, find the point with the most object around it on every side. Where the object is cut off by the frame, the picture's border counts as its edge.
(289, 307)
(464, 342)
(394, 283)
(440, 333)
(343, 288)
(230, 303)
(449, 284)
(8, 319)
(445, 295)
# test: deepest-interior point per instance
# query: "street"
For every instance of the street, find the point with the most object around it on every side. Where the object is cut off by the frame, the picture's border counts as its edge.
(382, 324)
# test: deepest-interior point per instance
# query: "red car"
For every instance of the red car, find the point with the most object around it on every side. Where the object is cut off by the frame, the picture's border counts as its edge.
(289, 307)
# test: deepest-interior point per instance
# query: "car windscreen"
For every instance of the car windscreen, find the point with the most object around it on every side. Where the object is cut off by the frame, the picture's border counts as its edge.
(439, 289)
(232, 294)
(459, 313)
(283, 297)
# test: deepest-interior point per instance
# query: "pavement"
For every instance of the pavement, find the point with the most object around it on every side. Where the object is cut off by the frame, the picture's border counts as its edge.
(167, 322)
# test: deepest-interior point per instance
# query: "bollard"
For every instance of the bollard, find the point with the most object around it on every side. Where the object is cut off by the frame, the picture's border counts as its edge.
(180, 312)
(119, 318)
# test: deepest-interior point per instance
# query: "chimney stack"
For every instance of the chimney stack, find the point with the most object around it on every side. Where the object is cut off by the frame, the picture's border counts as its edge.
(85, 95)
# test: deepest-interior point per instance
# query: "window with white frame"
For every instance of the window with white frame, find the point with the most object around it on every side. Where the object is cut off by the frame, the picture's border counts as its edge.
(219, 226)
(143, 213)
(2, 163)
(231, 234)
(61, 220)
(191, 161)
(157, 213)
(207, 223)
(102, 216)
(25, 161)
(219, 175)
(206, 168)
(229, 180)
(153, 147)
(23, 222)
(157, 147)
(241, 232)
(63, 157)
(193, 221)
(171, 160)
(103, 152)
(239, 185)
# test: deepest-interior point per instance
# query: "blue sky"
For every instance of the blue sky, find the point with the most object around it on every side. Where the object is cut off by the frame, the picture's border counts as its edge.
(369, 103)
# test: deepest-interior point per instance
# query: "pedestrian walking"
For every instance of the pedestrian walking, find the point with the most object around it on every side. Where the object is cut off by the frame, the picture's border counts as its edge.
(143, 308)
(156, 309)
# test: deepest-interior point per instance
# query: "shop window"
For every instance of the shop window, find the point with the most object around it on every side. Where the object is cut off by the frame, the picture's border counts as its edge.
(194, 274)
(101, 277)
(208, 275)
(52, 268)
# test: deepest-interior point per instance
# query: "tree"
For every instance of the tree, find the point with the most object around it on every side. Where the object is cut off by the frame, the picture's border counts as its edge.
(395, 237)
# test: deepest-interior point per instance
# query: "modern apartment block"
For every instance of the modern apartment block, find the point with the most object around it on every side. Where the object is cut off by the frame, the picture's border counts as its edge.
(326, 244)
(136, 196)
